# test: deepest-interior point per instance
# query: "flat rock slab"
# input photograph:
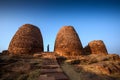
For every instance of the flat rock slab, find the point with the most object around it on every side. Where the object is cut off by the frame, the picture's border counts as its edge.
(51, 70)
(49, 62)
(45, 77)
(58, 76)
(49, 66)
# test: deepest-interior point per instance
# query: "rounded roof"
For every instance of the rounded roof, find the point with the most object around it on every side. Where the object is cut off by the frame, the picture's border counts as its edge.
(28, 39)
(97, 47)
(67, 41)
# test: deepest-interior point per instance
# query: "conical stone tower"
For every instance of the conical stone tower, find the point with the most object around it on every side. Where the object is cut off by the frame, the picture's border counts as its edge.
(28, 39)
(96, 47)
(67, 42)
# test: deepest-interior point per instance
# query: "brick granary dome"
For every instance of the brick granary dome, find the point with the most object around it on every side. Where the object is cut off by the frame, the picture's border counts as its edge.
(67, 42)
(28, 39)
(96, 47)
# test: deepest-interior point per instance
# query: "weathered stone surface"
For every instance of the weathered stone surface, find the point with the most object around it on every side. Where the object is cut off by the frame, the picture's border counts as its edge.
(28, 39)
(58, 76)
(5, 52)
(68, 42)
(50, 67)
(51, 70)
(96, 47)
(106, 67)
(45, 77)
(99, 67)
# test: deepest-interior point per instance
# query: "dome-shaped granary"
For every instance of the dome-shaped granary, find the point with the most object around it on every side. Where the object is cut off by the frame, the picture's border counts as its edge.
(96, 47)
(28, 39)
(68, 42)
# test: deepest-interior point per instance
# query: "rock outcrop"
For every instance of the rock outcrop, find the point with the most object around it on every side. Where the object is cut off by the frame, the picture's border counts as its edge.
(96, 47)
(67, 42)
(101, 64)
(28, 39)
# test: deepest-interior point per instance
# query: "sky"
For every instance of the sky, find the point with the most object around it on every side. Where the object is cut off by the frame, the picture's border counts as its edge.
(92, 20)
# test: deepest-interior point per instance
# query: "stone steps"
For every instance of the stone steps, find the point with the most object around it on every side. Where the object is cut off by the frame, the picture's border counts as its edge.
(45, 77)
(50, 69)
(58, 76)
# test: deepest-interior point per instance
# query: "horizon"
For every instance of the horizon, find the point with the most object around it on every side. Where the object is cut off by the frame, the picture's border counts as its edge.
(92, 20)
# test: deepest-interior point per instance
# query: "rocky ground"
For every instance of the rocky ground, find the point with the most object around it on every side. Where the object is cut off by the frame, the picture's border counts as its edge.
(27, 67)
(93, 67)
(49, 66)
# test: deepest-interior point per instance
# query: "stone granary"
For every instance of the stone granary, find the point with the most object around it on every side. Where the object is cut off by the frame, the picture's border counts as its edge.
(28, 39)
(67, 42)
(96, 47)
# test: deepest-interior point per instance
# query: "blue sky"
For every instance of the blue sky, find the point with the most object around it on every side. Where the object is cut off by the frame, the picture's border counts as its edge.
(92, 19)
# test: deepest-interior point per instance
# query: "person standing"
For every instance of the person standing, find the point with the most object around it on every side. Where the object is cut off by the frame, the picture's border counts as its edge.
(48, 48)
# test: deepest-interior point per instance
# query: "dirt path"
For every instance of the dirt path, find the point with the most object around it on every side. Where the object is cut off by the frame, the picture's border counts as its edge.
(68, 69)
